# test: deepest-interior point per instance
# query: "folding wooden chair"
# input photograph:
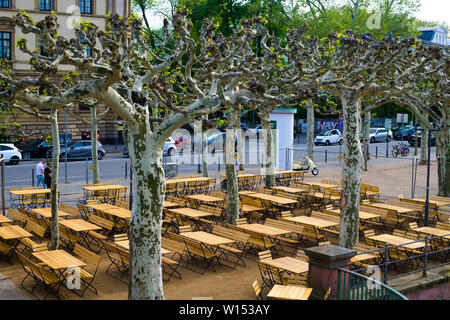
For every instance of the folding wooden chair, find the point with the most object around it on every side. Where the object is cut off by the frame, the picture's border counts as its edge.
(87, 276)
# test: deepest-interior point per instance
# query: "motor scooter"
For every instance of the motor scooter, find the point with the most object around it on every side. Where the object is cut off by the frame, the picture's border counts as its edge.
(310, 166)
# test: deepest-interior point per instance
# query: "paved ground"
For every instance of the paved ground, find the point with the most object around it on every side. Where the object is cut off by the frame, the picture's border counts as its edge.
(9, 291)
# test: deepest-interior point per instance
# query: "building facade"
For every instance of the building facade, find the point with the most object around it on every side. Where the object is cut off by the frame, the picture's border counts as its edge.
(435, 36)
(67, 11)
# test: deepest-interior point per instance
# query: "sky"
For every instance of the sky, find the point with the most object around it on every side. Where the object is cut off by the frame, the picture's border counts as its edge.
(435, 10)
(430, 10)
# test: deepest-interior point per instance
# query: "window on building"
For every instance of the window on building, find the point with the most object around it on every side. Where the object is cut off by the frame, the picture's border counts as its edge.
(5, 4)
(5, 45)
(86, 6)
(46, 5)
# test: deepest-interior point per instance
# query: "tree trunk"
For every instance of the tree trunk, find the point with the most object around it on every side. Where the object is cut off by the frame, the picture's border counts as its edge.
(443, 157)
(351, 172)
(424, 148)
(268, 142)
(230, 166)
(204, 153)
(96, 174)
(145, 225)
(366, 135)
(54, 244)
(416, 143)
(310, 130)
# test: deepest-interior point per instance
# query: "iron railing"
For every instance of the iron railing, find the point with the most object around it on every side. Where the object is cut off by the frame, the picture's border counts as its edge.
(423, 257)
(354, 286)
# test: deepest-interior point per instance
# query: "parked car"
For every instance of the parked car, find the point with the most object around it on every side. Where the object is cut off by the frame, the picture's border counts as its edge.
(380, 134)
(412, 139)
(79, 150)
(254, 131)
(34, 149)
(10, 152)
(169, 148)
(397, 132)
(329, 137)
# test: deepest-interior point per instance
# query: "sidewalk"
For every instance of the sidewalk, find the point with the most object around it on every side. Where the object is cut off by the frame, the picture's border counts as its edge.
(9, 291)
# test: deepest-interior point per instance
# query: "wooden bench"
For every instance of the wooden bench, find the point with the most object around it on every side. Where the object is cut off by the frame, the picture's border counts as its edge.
(118, 257)
(172, 265)
(240, 238)
(37, 231)
(93, 261)
(104, 223)
(174, 246)
(19, 217)
(69, 209)
(196, 251)
(295, 229)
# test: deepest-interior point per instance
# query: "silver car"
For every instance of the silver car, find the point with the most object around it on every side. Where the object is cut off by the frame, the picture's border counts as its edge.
(380, 134)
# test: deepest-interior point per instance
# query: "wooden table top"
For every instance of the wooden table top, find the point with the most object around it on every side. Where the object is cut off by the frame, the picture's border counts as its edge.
(363, 215)
(362, 257)
(275, 199)
(4, 219)
(186, 180)
(391, 207)
(168, 204)
(311, 221)
(322, 185)
(125, 244)
(439, 203)
(434, 231)
(285, 172)
(289, 292)
(79, 225)
(247, 175)
(289, 264)
(58, 259)
(47, 212)
(290, 189)
(101, 206)
(263, 229)
(205, 198)
(13, 232)
(26, 192)
(118, 212)
(245, 192)
(105, 187)
(191, 213)
(207, 238)
(396, 241)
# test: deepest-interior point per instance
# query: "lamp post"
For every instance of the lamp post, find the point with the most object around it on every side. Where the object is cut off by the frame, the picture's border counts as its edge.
(427, 197)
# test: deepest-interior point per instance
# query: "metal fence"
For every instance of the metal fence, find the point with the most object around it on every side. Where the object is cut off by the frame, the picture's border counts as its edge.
(354, 286)
(428, 258)
(394, 176)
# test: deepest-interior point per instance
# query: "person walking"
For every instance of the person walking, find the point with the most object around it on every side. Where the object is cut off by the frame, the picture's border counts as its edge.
(48, 175)
(40, 174)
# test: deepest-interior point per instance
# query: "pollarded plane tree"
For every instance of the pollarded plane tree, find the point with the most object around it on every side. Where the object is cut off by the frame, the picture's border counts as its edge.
(360, 67)
(154, 93)
(427, 95)
(95, 117)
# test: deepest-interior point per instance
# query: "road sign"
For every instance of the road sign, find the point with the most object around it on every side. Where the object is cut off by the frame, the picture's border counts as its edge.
(402, 118)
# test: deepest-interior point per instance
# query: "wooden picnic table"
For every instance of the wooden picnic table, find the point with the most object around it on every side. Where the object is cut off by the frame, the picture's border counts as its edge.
(289, 292)
(438, 203)
(205, 198)
(246, 192)
(58, 259)
(274, 199)
(363, 215)
(401, 210)
(311, 221)
(47, 213)
(125, 244)
(322, 185)
(104, 187)
(28, 192)
(184, 180)
(263, 229)
(207, 238)
(191, 213)
(101, 206)
(434, 232)
(13, 232)
(118, 212)
(4, 220)
(362, 257)
(247, 175)
(289, 264)
(168, 204)
(79, 225)
(398, 241)
(290, 189)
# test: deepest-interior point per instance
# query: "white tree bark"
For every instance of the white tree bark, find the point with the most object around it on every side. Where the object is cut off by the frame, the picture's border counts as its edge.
(204, 153)
(443, 156)
(230, 165)
(145, 225)
(54, 244)
(366, 135)
(96, 173)
(351, 172)
(310, 130)
(268, 142)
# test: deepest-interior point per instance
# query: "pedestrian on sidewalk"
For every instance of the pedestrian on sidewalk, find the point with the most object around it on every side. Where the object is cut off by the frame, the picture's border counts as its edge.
(40, 174)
